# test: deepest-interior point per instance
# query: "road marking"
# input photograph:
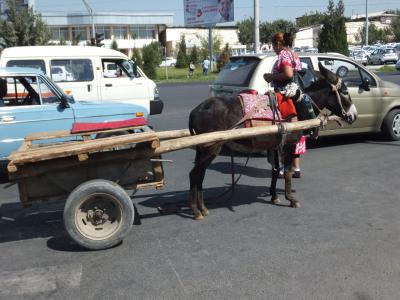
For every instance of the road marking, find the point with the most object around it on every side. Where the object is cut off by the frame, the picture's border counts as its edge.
(39, 280)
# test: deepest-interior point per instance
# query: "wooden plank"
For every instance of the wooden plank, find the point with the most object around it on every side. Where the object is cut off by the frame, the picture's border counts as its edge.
(79, 147)
(67, 133)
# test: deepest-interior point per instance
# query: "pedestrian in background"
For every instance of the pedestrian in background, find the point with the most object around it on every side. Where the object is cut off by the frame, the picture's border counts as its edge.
(191, 68)
(206, 65)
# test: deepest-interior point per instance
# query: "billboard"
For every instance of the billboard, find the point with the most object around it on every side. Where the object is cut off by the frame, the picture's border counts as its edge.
(208, 12)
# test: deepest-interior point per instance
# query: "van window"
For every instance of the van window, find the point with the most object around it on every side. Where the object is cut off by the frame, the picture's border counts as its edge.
(33, 63)
(119, 68)
(71, 70)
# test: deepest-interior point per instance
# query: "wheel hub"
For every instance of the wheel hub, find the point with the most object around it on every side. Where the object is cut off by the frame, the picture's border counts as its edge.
(97, 216)
(396, 125)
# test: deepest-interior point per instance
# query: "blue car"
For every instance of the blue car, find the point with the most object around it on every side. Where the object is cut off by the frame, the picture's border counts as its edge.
(30, 102)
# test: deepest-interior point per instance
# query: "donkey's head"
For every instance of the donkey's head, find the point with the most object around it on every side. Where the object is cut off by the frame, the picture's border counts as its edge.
(330, 92)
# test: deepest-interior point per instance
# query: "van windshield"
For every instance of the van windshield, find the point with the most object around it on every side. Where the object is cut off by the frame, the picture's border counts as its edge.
(238, 71)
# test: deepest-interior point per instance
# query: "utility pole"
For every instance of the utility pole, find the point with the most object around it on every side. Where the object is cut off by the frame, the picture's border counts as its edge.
(90, 10)
(256, 26)
(210, 47)
(366, 22)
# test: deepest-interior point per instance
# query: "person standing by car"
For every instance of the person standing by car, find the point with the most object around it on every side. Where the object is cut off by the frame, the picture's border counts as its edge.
(285, 88)
(206, 65)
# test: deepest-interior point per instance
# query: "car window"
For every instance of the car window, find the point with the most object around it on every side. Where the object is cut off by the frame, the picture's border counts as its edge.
(390, 51)
(351, 74)
(238, 71)
(33, 63)
(117, 68)
(306, 71)
(20, 90)
(72, 70)
(46, 93)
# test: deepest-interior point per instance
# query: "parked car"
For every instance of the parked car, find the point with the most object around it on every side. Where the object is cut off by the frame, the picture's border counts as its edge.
(360, 56)
(31, 102)
(60, 73)
(398, 65)
(377, 101)
(168, 62)
(382, 56)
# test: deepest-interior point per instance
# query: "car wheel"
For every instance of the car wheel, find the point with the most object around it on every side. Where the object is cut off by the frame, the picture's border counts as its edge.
(342, 71)
(391, 125)
(172, 65)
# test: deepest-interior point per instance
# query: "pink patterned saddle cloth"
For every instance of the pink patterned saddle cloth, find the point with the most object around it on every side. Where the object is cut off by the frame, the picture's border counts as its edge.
(257, 108)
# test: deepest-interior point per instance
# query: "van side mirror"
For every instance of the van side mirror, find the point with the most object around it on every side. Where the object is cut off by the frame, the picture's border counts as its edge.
(365, 85)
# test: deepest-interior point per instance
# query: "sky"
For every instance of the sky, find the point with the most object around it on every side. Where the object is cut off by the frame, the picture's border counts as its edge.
(270, 10)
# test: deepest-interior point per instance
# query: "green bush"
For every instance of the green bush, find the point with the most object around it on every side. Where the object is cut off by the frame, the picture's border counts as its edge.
(194, 55)
(182, 59)
(137, 57)
(151, 59)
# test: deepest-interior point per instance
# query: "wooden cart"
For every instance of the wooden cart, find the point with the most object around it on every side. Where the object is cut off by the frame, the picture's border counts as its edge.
(93, 174)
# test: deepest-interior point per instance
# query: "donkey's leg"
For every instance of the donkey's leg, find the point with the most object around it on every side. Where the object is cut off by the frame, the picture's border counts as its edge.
(204, 156)
(274, 160)
(289, 150)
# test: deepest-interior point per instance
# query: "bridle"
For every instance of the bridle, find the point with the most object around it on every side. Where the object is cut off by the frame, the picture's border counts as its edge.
(335, 88)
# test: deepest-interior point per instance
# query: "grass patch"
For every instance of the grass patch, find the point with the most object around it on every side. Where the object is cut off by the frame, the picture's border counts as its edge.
(182, 75)
(386, 69)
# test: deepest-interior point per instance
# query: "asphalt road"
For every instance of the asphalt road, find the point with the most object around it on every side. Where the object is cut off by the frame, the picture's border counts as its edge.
(343, 243)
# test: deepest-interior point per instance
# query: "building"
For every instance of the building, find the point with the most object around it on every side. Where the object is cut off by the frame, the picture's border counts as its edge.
(308, 36)
(129, 30)
(171, 37)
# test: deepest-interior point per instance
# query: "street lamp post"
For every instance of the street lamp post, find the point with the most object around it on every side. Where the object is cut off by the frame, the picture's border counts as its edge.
(256, 26)
(90, 10)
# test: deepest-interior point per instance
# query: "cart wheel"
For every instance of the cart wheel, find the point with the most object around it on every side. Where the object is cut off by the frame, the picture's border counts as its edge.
(98, 214)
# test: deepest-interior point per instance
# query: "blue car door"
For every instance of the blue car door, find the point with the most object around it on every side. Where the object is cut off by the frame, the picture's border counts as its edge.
(19, 117)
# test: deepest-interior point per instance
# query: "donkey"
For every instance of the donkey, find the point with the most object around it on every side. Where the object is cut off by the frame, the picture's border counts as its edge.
(216, 113)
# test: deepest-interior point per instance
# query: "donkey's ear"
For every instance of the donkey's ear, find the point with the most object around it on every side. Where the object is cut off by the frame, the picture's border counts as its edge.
(330, 76)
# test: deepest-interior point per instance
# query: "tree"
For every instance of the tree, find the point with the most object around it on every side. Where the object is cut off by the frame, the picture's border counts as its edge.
(395, 27)
(136, 57)
(333, 36)
(246, 31)
(22, 27)
(114, 45)
(204, 46)
(182, 59)
(374, 34)
(311, 19)
(151, 59)
(267, 29)
(194, 55)
(223, 58)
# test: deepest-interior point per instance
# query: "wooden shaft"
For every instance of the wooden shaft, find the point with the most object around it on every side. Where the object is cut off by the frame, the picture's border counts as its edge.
(234, 134)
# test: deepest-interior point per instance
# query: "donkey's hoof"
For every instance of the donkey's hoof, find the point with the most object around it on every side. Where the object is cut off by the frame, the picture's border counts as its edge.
(205, 212)
(275, 200)
(198, 217)
(295, 204)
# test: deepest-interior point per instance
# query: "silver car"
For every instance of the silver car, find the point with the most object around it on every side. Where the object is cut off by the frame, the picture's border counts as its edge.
(377, 101)
(382, 56)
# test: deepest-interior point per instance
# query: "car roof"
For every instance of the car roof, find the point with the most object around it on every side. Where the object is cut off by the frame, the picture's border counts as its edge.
(58, 51)
(11, 71)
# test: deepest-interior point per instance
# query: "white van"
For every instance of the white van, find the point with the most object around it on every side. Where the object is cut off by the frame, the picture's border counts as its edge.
(89, 73)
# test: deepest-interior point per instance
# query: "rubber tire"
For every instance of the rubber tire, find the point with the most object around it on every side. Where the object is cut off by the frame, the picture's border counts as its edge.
(342, 70)
(387, 126)
(84, 190)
